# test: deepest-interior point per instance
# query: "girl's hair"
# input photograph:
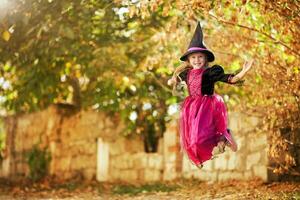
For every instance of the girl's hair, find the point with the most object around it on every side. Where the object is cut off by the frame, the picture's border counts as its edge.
(176, 76)
(184, 66)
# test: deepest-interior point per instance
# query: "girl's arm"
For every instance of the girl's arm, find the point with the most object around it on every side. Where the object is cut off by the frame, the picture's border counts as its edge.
(246, 67)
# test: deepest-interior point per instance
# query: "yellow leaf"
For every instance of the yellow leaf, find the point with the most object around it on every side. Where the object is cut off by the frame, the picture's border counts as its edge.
(78, 74)
(68, 64)
(296, 70)
(6, 36)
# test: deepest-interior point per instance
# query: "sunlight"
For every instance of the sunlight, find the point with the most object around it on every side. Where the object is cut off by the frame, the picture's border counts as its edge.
(5, 6)
(3, 3)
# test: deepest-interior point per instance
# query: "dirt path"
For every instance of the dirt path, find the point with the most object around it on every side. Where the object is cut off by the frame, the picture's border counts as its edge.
(183, 189)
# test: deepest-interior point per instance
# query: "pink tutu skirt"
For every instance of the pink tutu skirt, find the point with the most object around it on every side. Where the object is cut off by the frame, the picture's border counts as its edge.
(203, 122)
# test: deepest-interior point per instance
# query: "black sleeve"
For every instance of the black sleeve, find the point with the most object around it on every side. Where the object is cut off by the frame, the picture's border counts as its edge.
(216, 73)
(183, 75)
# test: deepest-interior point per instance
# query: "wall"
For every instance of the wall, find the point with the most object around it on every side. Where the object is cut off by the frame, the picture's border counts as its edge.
(249, 161)
(89, 145)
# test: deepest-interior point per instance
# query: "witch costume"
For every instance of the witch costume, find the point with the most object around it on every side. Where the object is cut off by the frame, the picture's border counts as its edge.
(203, 116)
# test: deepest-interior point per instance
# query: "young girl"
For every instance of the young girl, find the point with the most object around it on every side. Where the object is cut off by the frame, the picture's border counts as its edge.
(203, 116)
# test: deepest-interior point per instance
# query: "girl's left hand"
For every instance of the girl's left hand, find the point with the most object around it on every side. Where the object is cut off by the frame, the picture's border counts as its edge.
(247, 65)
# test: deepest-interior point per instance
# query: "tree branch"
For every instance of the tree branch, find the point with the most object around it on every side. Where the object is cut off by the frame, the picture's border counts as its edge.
(255, 30)
(159, 82)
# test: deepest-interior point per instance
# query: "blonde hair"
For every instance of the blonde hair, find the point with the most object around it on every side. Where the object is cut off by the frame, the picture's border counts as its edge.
(184, 66)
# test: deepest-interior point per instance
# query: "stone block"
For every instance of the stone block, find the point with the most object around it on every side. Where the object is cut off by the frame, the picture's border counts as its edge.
(240, 162)
(170, 172)
(248, 174)
(260, 171)
(187, 175)
(127, 161)
(224, 176)
(160, 148)
(171, 157)
(205, 175)
(128, 175)
(257, 142)
(83, 161)
(208, 165)
(249, 123)
(186, 164)
(170, 137)
(108, 123)
(55, 150)
(155, 161)
(232, 162)
(20, 168)
(117, 147)
(114, 174)
(264, 156)
(152, 175)
(234, 121)
(253, 159)
(89, 173)
(50, 125)
(220, 163)
(140, 160)
(79, 147)
(253, 121)
(63, 164)
(241, 142)
(133, 145)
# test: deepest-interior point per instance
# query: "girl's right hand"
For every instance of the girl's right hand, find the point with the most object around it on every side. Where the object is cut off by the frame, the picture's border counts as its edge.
(171, 81)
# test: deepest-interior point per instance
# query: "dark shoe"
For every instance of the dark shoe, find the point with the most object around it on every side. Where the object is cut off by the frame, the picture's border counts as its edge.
(233, 146)
(200, 166)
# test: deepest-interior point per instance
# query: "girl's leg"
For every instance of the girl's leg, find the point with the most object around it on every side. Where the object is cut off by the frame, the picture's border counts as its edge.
(220, 119)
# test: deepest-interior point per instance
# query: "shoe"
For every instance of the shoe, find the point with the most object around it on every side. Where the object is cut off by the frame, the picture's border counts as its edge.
(200, 166)
(233, 146)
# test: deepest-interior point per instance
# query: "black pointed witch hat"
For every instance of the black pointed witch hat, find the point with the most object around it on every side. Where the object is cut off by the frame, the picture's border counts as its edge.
(196, 45)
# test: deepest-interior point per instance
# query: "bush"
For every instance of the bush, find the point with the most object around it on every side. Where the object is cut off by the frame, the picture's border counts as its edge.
(38, 161)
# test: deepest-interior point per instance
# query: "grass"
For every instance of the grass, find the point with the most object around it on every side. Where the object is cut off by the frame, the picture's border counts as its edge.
(133, 190)
(68, 186)
(293, 196)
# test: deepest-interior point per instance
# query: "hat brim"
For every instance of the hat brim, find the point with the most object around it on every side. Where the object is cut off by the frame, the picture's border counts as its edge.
(209, 54)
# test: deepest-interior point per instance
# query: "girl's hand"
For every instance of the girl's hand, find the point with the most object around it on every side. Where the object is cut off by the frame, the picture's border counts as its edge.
(171, 81)
(247, 65)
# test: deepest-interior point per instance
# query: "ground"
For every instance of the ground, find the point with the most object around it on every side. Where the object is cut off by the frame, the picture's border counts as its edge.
(180, 189)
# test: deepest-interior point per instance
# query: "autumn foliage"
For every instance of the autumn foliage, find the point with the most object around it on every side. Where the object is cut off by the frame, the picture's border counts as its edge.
(116, 56)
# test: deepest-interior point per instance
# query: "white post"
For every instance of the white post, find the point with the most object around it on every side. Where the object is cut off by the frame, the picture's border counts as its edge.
(102, 160)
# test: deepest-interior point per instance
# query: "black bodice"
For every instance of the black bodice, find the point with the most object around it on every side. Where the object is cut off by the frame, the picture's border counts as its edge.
(209, 77)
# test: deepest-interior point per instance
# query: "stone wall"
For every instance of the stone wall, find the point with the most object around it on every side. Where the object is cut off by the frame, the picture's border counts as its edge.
(70, 137)
(248, 162)
(89, 145)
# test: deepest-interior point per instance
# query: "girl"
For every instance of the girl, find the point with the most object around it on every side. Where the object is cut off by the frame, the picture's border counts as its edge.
(203, 116)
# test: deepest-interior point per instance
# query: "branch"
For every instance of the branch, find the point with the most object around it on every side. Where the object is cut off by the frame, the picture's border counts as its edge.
(290, 171)
(255, 30)
(158, 81)
(74, 82)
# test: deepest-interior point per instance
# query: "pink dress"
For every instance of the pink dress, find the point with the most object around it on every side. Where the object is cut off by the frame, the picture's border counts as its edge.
(203, 120)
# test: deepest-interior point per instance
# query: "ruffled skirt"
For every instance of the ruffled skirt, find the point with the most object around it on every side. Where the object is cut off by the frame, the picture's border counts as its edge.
(203, 122)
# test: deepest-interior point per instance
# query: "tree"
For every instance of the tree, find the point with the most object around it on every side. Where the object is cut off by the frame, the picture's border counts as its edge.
(60, 50)
(83, 53)
(264, 30)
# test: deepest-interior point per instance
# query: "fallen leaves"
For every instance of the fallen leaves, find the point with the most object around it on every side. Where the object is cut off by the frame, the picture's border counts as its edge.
(182, 189)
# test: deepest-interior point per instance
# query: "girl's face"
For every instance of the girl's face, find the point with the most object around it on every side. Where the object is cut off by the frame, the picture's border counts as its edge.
(197, 60)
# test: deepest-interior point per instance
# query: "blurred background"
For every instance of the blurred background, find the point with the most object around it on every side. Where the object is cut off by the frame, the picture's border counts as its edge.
(89, 78)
